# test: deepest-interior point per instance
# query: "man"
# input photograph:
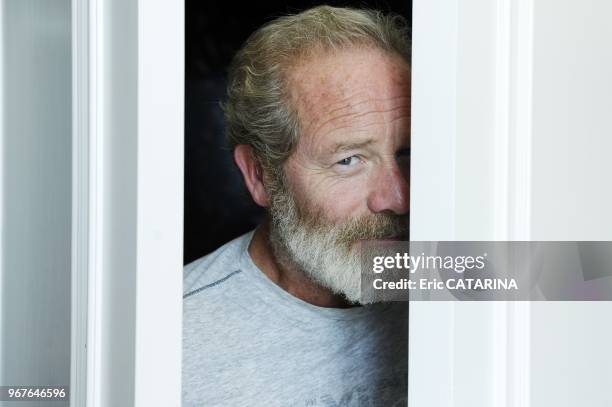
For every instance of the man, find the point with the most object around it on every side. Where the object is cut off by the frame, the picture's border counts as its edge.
(318, 116)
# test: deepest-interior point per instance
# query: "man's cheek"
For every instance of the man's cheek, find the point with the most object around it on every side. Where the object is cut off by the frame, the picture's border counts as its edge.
(347, 204)
(339, 198)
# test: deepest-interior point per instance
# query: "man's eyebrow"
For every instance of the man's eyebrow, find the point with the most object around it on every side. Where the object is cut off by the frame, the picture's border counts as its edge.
(351, 146)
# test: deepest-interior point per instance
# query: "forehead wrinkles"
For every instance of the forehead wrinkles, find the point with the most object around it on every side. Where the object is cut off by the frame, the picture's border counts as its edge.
(359, 112)
(325, 99)
(356, 111)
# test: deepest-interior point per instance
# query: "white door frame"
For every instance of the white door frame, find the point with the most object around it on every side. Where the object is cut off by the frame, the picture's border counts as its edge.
(470, 180)
(128, 68)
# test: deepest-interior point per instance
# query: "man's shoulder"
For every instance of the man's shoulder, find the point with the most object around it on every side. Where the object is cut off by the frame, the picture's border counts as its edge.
(215, 267)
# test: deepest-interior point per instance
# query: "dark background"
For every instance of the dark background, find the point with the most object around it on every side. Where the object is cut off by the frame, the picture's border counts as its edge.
(218, 207)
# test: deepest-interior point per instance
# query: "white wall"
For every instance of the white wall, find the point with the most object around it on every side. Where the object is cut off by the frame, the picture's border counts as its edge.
(35, 193)
(571, 359)
(510, 140)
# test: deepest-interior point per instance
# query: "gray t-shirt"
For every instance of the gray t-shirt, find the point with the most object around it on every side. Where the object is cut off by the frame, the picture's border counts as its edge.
(248, 342)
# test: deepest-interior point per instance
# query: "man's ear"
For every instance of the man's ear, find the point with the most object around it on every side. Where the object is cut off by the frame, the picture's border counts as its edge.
(252, 173)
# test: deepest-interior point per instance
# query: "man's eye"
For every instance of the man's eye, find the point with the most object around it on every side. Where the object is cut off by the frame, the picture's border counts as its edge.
(349, 161)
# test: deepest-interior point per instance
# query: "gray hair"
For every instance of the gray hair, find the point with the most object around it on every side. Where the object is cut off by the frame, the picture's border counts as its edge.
(258, 111)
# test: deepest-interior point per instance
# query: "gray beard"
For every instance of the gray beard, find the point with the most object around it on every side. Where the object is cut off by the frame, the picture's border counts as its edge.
(329, 254)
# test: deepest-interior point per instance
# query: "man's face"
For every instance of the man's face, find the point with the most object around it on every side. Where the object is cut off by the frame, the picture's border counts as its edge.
(347, 180)
(352, 158)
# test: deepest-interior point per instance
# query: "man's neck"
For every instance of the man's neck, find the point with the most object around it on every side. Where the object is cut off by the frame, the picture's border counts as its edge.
(290, 279)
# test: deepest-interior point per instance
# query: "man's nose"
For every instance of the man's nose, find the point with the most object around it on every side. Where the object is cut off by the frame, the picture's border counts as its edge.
(390, 192)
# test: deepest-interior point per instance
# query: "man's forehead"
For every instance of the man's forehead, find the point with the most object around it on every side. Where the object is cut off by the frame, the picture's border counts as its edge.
(349, 96)
(325, 78)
